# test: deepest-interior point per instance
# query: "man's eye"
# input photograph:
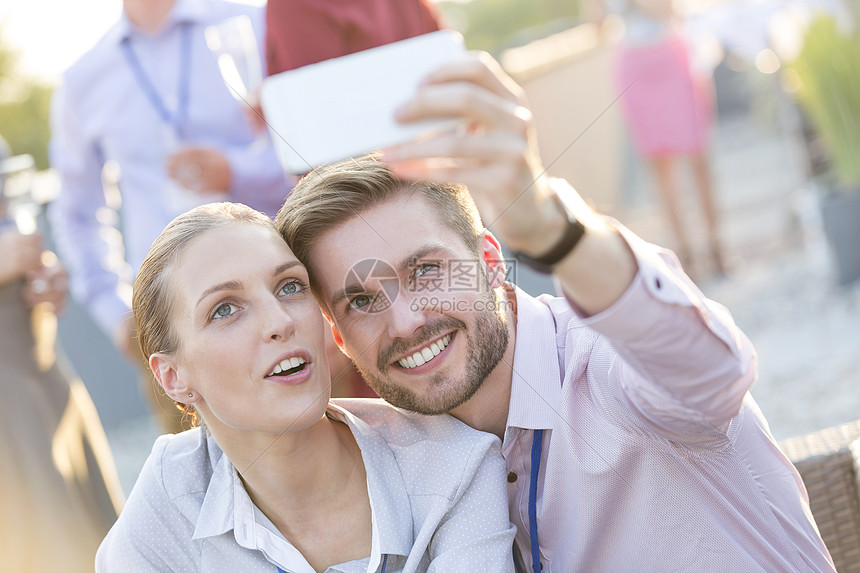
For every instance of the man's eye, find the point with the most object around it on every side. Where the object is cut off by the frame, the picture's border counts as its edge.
(360, 301)
(424, 268)
(223, 310)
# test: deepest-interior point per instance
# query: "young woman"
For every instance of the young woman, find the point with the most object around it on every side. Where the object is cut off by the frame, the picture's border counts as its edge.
(278, 478)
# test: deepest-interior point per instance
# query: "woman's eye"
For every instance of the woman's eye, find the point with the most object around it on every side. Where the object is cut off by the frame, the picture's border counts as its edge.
(292, 287)
(223, 310)
(360, 301)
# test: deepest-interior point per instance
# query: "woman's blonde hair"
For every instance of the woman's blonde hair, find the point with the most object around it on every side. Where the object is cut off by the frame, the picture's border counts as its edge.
(153, 299)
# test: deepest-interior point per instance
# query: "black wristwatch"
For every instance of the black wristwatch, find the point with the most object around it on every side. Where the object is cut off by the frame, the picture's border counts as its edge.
(573, 232)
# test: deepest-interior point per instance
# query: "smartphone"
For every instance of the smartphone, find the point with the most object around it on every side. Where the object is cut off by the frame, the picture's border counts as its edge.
(344, 107)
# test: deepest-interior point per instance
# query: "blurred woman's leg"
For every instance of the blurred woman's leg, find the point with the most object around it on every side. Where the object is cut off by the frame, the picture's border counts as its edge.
(704, 185)
(664, 174)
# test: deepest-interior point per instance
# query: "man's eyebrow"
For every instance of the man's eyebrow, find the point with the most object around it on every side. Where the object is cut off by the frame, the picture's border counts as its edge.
(422, 253)
(346, 292)
(226, 285)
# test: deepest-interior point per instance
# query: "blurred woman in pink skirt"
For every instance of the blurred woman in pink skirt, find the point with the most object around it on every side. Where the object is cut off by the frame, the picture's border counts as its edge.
(669, 110)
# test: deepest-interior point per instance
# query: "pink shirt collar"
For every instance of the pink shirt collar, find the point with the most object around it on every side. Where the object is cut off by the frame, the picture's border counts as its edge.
(536, 384)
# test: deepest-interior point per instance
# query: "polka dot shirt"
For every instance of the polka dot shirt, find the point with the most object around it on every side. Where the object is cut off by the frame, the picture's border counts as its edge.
(437, 494)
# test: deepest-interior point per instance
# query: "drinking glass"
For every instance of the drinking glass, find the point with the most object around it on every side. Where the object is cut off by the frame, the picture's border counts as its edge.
(235, 46)
(18, 202)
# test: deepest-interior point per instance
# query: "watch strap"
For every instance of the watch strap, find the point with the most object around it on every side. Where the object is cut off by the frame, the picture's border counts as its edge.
(573, 233)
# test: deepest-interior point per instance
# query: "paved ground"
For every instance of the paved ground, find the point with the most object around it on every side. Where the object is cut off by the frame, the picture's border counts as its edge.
(807, 334)
(780, 287)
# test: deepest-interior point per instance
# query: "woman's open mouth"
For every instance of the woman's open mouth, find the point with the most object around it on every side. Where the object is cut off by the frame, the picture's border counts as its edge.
(288, 366)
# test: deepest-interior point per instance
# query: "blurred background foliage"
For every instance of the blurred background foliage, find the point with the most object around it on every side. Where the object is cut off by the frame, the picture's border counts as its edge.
(494, 25)
(25, 109)
(828, 74)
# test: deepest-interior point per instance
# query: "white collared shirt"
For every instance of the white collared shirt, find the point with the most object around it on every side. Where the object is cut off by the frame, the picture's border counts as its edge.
(436, 488)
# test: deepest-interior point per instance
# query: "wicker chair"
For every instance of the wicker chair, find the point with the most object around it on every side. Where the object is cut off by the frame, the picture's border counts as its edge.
(828, 462)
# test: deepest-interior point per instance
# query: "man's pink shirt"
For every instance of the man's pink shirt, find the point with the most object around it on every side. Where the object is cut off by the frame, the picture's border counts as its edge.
(655, 457)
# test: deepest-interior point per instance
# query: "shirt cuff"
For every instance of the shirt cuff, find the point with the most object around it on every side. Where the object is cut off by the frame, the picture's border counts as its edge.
(659, 285)
(240, 178)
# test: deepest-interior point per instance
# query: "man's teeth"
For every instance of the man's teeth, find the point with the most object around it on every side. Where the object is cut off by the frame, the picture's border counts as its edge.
(426, 354)
(287, 364)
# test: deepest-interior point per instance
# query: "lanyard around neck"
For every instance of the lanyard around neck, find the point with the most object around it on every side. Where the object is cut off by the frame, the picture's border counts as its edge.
(537, 449)
(176, 119)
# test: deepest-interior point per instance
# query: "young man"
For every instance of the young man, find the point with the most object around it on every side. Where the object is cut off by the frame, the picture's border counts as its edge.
(631, 441)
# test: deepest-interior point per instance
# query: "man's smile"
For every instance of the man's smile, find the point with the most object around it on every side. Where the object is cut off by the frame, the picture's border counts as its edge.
(425, 354)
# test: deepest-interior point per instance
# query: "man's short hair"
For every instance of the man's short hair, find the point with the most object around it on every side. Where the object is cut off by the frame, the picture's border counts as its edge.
(330, 195)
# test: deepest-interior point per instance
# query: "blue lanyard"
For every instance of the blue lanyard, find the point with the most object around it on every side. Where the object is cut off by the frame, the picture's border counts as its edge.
(177, 119)
(384, 563)
(537, 448)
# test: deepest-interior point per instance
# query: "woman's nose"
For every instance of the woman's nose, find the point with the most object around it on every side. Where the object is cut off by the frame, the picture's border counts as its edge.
(279, 323)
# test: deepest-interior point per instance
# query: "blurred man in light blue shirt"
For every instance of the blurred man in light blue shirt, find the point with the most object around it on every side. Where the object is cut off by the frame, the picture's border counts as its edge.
(149, 99)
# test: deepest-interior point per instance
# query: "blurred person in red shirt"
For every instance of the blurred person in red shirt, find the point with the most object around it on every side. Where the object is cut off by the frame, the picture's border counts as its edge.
(303, 32)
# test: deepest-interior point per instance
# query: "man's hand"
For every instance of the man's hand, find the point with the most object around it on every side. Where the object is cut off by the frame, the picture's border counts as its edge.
(495, 155)
(253, 110)
(200, 169)
(20, 254)
(48, 283)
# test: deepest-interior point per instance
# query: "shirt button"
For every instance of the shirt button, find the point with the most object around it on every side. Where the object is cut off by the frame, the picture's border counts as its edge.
(512, 477)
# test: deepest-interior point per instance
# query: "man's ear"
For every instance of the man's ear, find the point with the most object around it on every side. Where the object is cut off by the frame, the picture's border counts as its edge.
(164, 368)
(334, 332)
(491, 253)
(337, 337)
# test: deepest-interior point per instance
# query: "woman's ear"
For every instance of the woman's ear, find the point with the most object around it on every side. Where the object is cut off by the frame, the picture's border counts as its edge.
(164, 368)
(491, 253)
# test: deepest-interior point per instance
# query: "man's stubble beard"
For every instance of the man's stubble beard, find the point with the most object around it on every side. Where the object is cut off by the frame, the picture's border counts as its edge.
(486, 345)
